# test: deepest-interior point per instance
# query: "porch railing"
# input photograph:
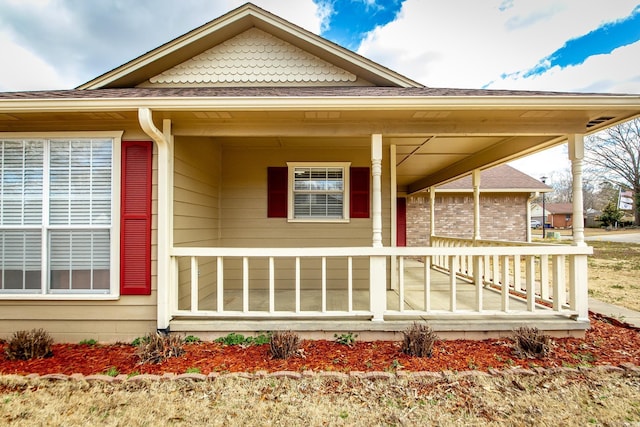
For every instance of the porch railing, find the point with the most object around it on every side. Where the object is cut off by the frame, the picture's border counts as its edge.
(348, 282)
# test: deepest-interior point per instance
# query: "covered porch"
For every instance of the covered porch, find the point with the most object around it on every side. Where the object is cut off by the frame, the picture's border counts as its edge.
(462, 287)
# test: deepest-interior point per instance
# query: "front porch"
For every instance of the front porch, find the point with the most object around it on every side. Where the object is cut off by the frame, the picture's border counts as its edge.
(322, 291)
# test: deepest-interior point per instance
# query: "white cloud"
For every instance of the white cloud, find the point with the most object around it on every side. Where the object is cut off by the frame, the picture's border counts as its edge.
(467, 43)
(304, 13)
(614, 73)
(61, 44)
(27, 70)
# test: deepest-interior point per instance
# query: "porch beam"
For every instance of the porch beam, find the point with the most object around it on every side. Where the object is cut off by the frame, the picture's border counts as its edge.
(508, 148)
(363, 128)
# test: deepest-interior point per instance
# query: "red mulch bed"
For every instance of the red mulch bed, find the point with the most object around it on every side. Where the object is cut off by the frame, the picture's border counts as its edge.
(608, 342)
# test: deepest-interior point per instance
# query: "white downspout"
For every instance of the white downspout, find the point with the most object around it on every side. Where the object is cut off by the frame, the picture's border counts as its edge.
(163, 142)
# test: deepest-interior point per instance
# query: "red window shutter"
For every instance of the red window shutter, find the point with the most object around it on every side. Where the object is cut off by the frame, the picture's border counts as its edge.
(401, 222)
(360, 200)
(277, 191)
(135, 218)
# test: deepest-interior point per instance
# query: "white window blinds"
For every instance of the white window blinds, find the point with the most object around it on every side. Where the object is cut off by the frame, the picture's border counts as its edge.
(73, 217)
(318, 192)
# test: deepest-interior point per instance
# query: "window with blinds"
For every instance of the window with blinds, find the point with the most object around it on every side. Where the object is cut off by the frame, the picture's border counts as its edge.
(58, 192)
(318, 191)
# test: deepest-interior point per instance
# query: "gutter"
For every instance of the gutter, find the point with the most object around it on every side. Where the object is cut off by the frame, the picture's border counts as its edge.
(249, 103)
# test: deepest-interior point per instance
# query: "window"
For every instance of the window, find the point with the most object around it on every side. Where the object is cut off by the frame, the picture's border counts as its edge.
(318, 191)
(56, 215)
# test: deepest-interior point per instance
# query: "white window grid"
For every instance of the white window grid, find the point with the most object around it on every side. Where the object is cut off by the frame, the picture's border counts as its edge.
(90, 223)
(318, 192)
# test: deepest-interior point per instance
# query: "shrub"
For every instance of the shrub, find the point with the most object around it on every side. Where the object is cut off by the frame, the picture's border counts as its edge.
(191, 339)
(239, 339)
(418, 340)
(530, 343)
(284, 344)
(345, 339)
(156, 348)
(33, 344)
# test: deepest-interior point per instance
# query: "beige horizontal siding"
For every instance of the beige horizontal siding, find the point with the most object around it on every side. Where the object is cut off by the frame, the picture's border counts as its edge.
(244, 201)
(196, 192)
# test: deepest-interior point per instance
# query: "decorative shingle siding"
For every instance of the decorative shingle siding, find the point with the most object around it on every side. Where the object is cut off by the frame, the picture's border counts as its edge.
(254, 57)
(502, 217)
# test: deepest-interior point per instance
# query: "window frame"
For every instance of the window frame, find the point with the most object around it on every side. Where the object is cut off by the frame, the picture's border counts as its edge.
(345, 191)
(45, 293)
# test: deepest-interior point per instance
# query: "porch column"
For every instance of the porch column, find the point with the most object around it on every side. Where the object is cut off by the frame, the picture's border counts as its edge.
(578, 263)
(576, 155)
(377, 264)
(376, 197)
(432, 213)
(394, 215)
(476, 204)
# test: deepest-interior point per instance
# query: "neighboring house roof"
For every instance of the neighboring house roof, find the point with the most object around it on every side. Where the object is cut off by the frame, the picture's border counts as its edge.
(181, 60)
(503, 178)
(559, 208)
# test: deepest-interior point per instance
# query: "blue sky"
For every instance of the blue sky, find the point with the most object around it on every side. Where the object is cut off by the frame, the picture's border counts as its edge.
(558, 45)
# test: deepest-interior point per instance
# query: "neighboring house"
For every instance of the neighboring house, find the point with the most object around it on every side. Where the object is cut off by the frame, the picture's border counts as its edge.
(558, 215)
(505, 196)
(536, 213)
(245, 177)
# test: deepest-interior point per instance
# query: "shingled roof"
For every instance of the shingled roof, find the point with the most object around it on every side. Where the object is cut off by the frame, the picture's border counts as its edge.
(195, 92)
(500, 178)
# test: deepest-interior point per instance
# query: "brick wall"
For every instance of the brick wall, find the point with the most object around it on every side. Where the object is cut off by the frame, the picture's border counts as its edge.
(503, 216)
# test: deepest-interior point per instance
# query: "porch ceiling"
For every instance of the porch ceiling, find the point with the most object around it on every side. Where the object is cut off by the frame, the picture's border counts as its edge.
(433, 145)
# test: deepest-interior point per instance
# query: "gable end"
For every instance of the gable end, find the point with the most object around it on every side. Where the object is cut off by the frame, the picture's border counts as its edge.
(254, 57)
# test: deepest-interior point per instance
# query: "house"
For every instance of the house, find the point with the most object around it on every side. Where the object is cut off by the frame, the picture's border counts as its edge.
(244, 177)
(557, 215)
(505, 197)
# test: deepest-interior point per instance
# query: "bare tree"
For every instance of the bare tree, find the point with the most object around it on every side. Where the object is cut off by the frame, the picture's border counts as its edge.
(615, 153)
(562, 183)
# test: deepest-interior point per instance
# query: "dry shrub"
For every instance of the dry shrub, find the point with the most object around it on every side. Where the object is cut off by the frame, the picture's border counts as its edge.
(284, 344)
(158, 347)
(418, 340)
(530, 343)
(33, 344)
